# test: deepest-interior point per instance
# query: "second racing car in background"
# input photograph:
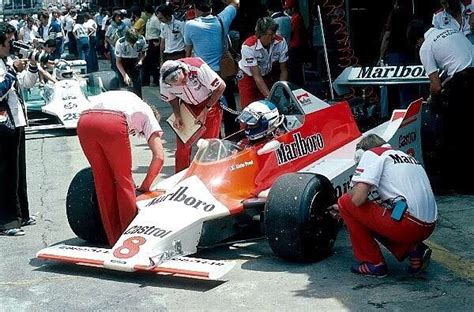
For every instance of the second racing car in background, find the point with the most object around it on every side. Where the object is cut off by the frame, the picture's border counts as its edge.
(57, 105)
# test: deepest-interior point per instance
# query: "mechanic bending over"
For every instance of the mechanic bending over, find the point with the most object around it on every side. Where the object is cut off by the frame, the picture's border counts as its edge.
(191, 82)
(259, 52)
(130, 51)
(450, 51)
(14, 74)
(104, 135)
(391, 202)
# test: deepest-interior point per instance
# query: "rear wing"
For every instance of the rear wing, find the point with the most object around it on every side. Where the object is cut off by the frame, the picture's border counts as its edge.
(379, 76)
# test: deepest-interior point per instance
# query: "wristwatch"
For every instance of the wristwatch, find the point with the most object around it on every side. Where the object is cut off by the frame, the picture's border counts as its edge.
(208, 106)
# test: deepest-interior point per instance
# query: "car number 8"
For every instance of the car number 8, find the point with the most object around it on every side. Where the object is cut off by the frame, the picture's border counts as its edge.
(129, 248)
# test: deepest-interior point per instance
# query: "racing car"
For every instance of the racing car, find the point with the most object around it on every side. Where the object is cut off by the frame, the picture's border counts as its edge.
(283, 186)
(58, 105)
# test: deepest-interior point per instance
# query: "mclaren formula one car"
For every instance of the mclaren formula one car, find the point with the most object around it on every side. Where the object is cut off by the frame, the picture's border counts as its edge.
(58, 105)
(282, 186)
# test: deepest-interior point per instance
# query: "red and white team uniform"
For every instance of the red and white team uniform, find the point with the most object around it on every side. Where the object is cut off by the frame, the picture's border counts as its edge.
(201, 82)
(104, 135)
(444, 20)
(392, 174)
(255, 54)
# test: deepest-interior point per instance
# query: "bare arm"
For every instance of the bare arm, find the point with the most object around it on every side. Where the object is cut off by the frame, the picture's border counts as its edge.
(215, 96)
(235, 3)
(118, 62)
(189, 50)
(162, 50)
(435, 83)
(284, 71)
(360, 193)
(261, 85)
(154, 142)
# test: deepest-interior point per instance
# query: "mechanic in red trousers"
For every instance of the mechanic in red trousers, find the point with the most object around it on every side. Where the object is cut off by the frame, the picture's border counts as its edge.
(391, 202)
(104, 135)
(191, 82)
(259, 52)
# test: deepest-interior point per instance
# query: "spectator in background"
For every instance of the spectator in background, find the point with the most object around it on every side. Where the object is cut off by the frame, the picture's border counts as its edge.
(172, 33)
(275, 11)
(91, 26)
(141, 21)
(395, 51)
(116, 30)
(152, 58)
(51, 30)
(69, 21)
(454, 15)
(82, 37)
(130, 50)
(28, 32)
(203, 35)
(297, 44)
(259, 52)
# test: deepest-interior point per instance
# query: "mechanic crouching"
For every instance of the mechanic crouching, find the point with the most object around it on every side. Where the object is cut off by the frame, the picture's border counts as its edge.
(104, 135)
(14, 74)
(391, 202)
(130, 51)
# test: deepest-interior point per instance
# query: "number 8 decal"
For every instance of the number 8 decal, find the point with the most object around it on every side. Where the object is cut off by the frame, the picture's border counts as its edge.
(129, 248)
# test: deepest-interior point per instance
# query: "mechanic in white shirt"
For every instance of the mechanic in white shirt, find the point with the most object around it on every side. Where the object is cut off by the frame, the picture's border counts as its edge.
(116, 114)
(191, 82)
(454, 15)
(152, 59)
(259, 52)
(130, 50)
(391, 202)
(172, 34)
(450, 51)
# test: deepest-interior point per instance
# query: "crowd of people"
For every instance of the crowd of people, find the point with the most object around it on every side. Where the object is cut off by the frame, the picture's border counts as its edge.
(181, 53)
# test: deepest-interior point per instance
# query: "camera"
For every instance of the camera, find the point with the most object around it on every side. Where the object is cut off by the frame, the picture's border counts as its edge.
(30, 52)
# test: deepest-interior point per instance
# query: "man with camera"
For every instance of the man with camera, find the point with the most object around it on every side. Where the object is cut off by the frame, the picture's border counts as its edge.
(14, 75)
(391, 202)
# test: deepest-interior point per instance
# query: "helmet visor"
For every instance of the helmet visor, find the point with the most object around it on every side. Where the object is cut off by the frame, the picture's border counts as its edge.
(249, 118)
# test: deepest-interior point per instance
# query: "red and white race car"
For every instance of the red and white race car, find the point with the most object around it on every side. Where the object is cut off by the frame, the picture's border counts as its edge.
(283, 187)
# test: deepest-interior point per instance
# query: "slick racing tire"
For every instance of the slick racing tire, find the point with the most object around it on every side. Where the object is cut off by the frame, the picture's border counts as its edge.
(108, 78)
(82, 208)
(298, 225)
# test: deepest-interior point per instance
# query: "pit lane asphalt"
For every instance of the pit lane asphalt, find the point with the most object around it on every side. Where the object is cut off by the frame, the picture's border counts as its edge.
(260, 281)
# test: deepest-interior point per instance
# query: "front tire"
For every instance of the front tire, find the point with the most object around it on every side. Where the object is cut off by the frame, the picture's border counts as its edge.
(82, 208)
(298, 225)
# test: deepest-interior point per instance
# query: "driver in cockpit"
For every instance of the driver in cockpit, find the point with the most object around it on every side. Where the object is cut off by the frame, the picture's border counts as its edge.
(261, 122)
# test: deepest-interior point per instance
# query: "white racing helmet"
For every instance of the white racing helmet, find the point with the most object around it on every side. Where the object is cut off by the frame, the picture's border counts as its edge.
(63, 71)
(260, 119)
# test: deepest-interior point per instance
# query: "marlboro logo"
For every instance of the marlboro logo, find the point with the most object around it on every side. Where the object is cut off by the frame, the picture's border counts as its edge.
(182, 196)
(299, 148)
(387, 72)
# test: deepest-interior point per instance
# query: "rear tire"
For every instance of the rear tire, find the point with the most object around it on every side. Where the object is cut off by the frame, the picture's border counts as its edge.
(82, 208)
(298, 225)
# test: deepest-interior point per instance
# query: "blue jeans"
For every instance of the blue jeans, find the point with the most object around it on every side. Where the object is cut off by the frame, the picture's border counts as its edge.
(83, 47)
